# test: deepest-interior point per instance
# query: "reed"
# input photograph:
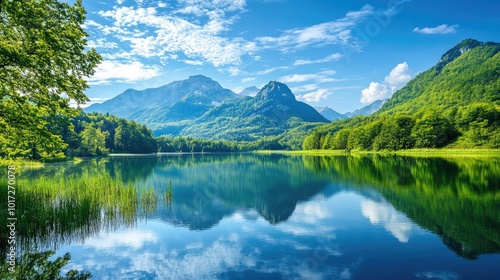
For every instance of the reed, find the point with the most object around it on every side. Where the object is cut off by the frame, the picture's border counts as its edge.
(54, 211)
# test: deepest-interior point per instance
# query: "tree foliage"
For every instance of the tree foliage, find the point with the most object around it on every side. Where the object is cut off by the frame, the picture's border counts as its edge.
(38, 266)
(97, 134)
(43, 63)
(454, 104)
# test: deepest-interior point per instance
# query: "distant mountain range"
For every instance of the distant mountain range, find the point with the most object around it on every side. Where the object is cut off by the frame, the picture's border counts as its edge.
(177, 101)
(333, 115)
(330, 114)
(200, 107)
(250, 91)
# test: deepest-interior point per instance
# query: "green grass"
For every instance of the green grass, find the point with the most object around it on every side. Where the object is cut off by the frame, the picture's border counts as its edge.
(410, 152)
(53, 211)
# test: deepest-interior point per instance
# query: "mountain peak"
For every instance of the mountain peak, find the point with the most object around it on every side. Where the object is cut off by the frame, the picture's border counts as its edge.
(250, 91)
(199, 78)
(461, 48)
(275, 91)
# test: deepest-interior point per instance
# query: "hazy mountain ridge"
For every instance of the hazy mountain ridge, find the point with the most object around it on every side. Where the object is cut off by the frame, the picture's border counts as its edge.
(250, 91)
(179, 100)
(368, 109)
(330, 114)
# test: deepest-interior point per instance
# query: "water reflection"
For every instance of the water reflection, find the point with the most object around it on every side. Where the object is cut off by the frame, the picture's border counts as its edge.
(301, 198)
(392, 220)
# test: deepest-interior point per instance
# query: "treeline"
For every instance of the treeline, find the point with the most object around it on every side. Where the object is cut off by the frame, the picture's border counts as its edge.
(91, 134)
(97, 134)
(167, 144)
(476, 125)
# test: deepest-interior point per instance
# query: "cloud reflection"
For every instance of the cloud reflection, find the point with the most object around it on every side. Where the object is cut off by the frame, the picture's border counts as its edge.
(392, 220)
(134, 239)
(441, 275)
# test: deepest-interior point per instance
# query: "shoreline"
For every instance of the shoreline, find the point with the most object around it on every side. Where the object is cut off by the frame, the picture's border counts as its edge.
(406, 153)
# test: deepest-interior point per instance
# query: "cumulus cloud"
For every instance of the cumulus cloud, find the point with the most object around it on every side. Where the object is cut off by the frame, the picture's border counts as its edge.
(127, 72)
(315, 96)
(393, 221)
(440, 29)
(397, 78)
(375, 91)
(134, 239)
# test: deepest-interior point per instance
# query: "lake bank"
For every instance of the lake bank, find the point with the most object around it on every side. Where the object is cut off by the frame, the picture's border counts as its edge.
(411, 152)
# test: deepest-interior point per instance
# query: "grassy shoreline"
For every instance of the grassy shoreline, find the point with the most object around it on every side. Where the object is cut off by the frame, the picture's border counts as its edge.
(410, 152)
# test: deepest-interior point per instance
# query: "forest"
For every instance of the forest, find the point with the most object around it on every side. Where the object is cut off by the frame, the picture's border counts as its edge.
(455, 104)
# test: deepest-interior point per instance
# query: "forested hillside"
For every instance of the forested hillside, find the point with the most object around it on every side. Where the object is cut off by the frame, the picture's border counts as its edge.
(454, 104)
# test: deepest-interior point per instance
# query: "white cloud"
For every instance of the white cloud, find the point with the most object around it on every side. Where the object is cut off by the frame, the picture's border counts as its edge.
(101, 43)
(333, 32)
(375, 91)
(316, 96)
(128, 72)
(247, 80)
(89, 23)
(398, 77)
(233, 71)
(193, 62)
(270, 70)
(134, 239)
(393, 221)
(304, 88)
(335, 56)
(297, 78)
(157, 35)
(441, 29)
(73, 104)
(322, 77)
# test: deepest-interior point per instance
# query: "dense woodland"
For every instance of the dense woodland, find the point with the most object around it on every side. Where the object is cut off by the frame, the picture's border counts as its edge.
(454, 104)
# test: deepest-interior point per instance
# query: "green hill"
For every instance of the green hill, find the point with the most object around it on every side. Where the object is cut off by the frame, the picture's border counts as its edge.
(456, 103)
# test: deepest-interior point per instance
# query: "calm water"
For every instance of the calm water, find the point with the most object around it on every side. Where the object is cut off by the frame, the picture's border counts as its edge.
(293, 217)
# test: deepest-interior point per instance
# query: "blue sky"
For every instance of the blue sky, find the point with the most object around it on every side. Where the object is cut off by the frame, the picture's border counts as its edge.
(340, 53)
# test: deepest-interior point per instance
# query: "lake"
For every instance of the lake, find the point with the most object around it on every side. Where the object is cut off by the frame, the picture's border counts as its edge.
(253, 216)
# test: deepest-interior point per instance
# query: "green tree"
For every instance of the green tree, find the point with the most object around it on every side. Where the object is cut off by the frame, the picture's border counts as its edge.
(38, 266)
(433, 131)
(395, 134)
(93, 141)
(313, 141)
(43, 63)
(341, 139)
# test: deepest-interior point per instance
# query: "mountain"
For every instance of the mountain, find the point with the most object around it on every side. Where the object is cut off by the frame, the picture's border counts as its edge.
(200, 107)
(368, 109)
(455, 104)
(177, 101)
(330, 114)
(467, 73)
(250, 91)
(273, 111)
